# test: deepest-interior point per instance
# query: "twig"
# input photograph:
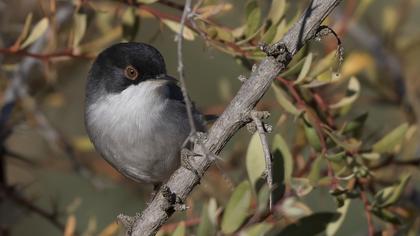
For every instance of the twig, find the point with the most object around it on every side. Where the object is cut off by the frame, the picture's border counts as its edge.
(187, 9)
(233, 118)
(371, 227)
(50, 216)
(256, 117)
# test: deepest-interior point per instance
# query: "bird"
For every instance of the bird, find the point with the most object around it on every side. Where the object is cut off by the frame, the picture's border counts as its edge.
(135, 113)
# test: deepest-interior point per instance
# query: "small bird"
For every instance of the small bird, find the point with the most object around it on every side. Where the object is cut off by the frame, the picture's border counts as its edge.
(135, 114)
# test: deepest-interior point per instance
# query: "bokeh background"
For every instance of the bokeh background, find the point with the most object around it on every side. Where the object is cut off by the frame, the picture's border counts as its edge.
(55, 178)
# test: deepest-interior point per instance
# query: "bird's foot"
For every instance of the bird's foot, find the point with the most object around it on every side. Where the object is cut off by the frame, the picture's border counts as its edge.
(186, 157)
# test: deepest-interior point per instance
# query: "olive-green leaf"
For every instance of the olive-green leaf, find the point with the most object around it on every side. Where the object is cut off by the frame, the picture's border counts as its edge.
(253, 18)
(305, 69)
(255, 162)
(334, 226)
(256, 230)
(263, 197)
(280, 144)
(353, 91)
(387, 215)
(392, 139)
(310, 225)
(188, 34)
(312, 136)
(277, 10)
(390, 195)
(322, 65)
(237, 208)
(301, 186)
(180, 230)
(80, 22)
(295, 69)
(206, 227)
(284, 101)
(38, 30)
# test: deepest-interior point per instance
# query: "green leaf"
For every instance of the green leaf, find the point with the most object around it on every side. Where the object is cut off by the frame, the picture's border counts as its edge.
(180, 230)
(301, 186)
(295, 69)
(388, 143)
(263, 197)
(323, 65)
(353, 91)
(356, 125)
(188, 34)
(281, 30)
(255, 162)
(80, 22)
(277, 10)
(256, 230)
(315, 172)
(39, 29)
(212, 211)
(280, 144)
(333, 227)
(305, 69)
(253, 18)
(312, 136)
(310, 225)
(387, 215)
(284, 102)
(237, 208)
(206, 226)
(390, 195)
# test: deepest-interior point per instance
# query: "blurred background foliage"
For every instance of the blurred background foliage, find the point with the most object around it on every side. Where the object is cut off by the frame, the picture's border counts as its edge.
(345, 139)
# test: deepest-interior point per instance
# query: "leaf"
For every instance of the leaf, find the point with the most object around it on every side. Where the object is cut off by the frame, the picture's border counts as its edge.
(323, 65)
(70, 226)
(355, 63)
(180, 230)
(83, 144)
(390, 195)
(387, 215)
(263, 197)
(188, 34)
(305, 69)
(315, 172)
(355, 126)
(333, 227)
(353, 91)
(110, 230)
(256, 230)
(237, 208)
(146, 1)
(295, 69)
(290, 207)
(312, 136)
(392, 139)
(255, 162)
(281, 30)
(309, 225)
(24, 32)
(284, 101)
(286, 156)
(277, 11)
(253, 18)
(80, 22)
(301, 186)
(39, 29)
(131, 24)
(205, 228)
(212, 211)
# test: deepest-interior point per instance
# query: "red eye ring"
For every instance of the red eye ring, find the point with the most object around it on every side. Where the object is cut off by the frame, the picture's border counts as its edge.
(131, 73)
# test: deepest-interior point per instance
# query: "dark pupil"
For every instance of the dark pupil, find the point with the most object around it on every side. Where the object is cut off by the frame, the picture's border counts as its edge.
(131, 71)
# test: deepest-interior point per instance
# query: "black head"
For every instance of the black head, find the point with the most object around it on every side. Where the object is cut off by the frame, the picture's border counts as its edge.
(124, 64)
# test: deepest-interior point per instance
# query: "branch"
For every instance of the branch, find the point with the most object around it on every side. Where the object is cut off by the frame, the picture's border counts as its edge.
(236, 115)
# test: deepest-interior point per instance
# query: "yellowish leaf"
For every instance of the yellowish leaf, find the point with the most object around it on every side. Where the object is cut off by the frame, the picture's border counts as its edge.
(188, 34)
(38, 30)
(70, 226)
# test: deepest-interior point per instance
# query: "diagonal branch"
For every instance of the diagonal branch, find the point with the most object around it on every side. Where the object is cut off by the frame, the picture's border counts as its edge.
(236, 115)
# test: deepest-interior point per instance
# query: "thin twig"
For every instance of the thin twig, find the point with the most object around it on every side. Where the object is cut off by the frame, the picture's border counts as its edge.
(256, 117)
(187, 9)
(371, 227)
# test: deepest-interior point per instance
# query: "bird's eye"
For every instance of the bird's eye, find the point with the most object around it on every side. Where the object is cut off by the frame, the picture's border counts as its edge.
(131, 73)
